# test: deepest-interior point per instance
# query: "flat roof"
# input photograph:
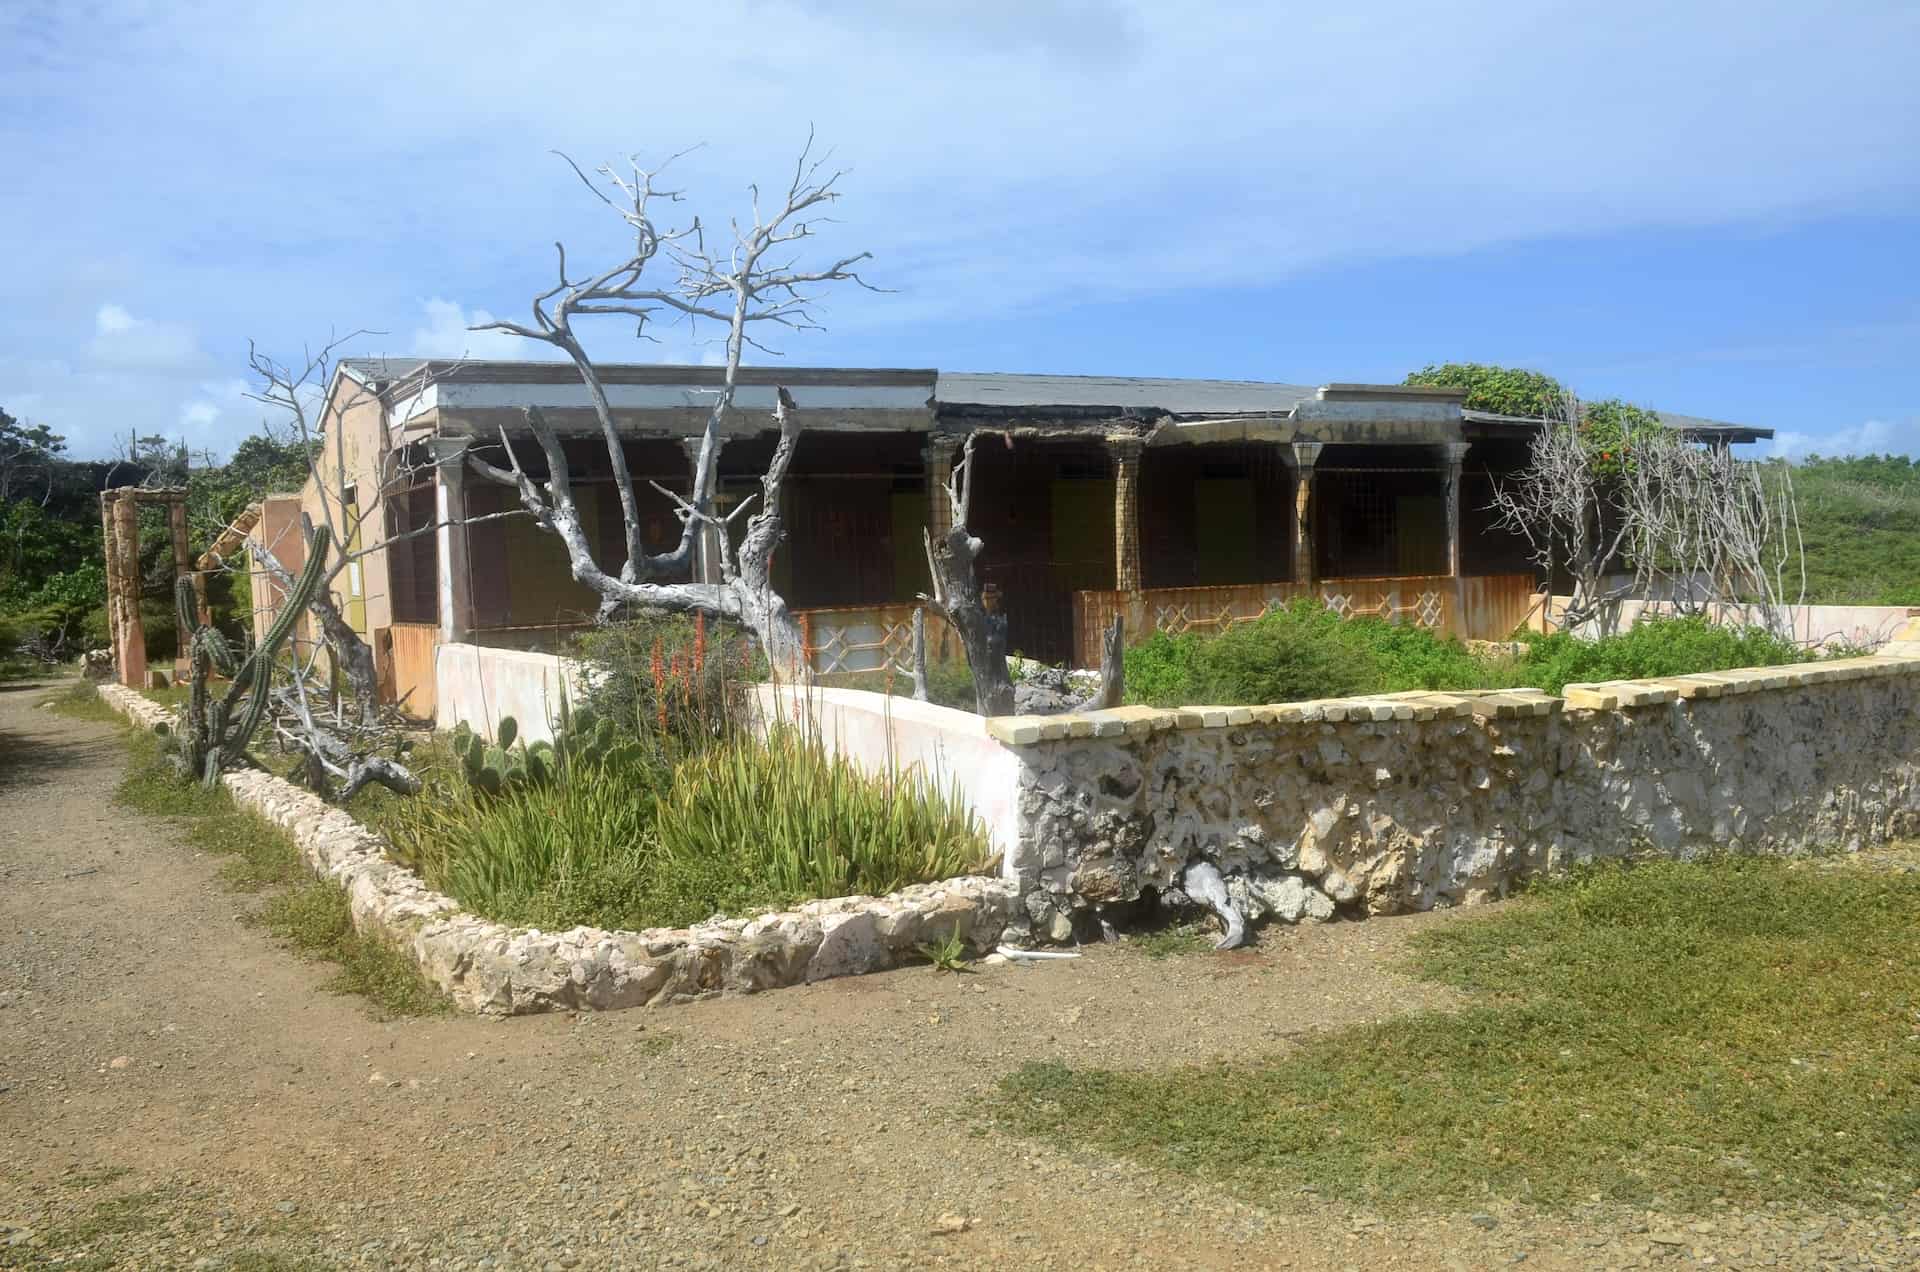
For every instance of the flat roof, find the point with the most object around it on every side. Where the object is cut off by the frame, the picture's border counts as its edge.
(982, 391)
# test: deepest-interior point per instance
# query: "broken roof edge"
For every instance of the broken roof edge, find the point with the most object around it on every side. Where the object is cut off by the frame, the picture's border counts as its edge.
(1691, 426)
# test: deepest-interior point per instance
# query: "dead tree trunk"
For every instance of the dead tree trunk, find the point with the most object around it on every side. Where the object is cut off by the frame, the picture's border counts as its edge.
(956, 597)
(1113, 666)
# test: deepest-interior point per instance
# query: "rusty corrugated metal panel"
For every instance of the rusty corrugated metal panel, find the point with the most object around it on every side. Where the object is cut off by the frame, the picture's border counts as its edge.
(408, 674)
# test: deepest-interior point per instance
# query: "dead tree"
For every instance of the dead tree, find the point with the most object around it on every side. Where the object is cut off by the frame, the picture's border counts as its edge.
(957, 595)
(1667, 519)
(1711, 533)
(340, 750)
(1571, 515)
(753, 285)
(313, 418)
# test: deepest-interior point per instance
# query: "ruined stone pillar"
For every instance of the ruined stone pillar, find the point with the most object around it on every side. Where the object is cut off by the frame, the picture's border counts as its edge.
(183, 566)
(130, 637)
(1456, 454)
(1305, 456)
(706, 541)
(1126, 449)
(110, 560)
(454, 586)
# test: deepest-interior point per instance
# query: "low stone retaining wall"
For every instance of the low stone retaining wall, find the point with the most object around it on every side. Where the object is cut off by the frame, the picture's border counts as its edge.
(1410, 801)
(499, 970)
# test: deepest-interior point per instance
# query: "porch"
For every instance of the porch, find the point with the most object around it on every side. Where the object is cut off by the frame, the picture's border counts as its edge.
(1176, 535)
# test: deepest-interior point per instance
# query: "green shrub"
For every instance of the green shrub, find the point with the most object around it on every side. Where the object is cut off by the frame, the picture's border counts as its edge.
(1297, 651)
(1652, 647)
(1304, 651)
(1160, 669)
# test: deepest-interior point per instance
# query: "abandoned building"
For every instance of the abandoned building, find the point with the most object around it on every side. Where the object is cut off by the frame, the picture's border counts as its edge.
(1180, 503)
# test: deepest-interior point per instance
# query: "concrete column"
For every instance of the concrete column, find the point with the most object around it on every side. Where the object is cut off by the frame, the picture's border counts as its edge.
(706, 543)
(1455, 454)
(939, 454)
(455, 582)
(1305, 456)
(1126, 449)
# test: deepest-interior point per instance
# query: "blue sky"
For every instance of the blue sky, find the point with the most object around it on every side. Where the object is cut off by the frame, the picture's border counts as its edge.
(1708, 207)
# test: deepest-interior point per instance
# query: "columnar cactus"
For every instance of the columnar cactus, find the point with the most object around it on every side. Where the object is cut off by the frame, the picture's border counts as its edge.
(212, 737)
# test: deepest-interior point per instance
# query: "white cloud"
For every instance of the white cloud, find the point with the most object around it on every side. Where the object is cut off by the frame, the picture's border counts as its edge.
(1871, 437)
(448, 335)
(122, 340)
(112, 320)
(220, 410)
(1008, 159)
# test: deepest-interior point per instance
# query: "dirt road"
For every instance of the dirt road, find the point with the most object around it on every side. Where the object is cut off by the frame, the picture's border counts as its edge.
(176, 1091)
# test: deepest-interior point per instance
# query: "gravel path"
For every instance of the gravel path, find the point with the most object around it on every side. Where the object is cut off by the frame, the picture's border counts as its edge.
(175, 1091)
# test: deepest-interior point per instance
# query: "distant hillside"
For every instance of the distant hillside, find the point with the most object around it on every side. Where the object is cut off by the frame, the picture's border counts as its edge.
(1861, 521)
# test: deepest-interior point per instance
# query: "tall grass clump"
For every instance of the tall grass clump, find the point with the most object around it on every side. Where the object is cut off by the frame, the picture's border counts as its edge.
(807, 822)
(743, 824)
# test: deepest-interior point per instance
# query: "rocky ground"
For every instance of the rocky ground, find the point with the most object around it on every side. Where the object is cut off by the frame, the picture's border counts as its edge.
(175, 1091)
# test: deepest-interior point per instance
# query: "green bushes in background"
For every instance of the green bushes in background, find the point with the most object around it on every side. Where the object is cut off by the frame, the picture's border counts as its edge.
(1303, 650)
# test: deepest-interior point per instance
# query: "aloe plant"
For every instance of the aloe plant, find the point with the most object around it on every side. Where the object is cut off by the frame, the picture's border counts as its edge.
(215, 733)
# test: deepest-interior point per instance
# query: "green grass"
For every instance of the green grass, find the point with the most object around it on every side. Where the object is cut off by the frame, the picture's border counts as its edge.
(172, 696)
(79, 701)
(311, 915)
(1663, 1035)
(1171, 942)
(314, 919)
(1860, 519)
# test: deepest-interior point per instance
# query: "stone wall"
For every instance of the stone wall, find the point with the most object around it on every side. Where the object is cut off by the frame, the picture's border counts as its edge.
(495, 969)
(1410, 801)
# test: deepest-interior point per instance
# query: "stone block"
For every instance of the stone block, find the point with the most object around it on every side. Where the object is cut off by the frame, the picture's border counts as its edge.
(1016, 730)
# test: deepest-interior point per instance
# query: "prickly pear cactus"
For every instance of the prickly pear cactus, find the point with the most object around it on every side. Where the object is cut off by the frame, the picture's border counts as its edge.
(508, 764)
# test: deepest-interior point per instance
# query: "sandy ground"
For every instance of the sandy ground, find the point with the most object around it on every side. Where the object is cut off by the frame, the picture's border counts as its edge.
(176, 1091)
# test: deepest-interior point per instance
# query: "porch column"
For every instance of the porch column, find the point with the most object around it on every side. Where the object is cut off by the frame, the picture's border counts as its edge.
(1305, 456)
(938, 456)
(455, 584)
(1456, 454)
(1125, 449)
(706, 540)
